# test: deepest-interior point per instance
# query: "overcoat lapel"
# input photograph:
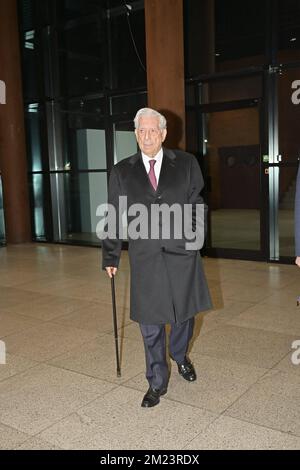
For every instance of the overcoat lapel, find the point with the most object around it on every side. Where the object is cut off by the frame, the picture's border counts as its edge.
(168, 168)
(166, 173)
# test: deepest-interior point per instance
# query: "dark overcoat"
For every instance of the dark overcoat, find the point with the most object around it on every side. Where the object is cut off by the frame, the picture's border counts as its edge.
(168, 283)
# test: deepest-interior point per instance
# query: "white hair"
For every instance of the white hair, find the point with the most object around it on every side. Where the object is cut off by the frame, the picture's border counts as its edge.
(150, 112)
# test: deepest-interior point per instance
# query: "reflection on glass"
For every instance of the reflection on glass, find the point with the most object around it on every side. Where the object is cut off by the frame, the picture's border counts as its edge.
(82, 194)
(33, 131)
(287, 189)
(233, 159)
(125, 141)
(31, 65)
(91, 149)
(79, 141)
(38, 210)
(2, 226)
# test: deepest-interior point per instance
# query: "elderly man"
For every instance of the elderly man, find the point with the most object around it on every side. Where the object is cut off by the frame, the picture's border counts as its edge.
(168, 284)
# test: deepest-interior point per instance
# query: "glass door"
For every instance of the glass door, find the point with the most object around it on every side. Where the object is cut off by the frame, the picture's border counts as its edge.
(78, 168)
(232, 158)
(284, 161)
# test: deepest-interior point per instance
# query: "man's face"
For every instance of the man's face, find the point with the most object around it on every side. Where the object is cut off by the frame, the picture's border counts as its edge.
(149, 136)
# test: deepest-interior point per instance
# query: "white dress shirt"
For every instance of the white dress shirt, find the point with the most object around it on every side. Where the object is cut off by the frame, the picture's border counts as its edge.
(157, 167)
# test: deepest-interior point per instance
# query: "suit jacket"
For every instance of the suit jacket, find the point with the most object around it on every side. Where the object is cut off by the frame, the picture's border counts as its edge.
(168, 283)
(297, 215)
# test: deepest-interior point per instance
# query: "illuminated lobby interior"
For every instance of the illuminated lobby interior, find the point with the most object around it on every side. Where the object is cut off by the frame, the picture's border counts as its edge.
(227, 77)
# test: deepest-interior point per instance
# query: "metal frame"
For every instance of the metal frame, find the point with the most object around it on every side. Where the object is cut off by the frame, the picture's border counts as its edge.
(230, 252)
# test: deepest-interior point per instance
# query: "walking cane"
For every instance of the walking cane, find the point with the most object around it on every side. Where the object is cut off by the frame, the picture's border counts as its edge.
(113, 294)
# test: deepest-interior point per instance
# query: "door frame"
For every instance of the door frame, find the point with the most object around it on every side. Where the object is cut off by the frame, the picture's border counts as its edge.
(239, 253)
(263, 253)
(275, 160)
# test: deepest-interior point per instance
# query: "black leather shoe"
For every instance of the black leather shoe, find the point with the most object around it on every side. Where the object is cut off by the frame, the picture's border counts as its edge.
(187, 370)
(152, 397)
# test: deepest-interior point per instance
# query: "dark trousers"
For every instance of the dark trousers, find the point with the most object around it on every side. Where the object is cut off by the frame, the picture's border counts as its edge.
(154, 336)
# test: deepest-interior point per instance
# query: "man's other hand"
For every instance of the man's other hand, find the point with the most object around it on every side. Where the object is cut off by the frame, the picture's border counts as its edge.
(112, 271)
(297, 261)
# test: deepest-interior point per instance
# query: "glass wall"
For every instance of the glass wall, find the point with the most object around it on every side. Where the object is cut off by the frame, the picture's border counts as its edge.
(125, 141)
(288, 27)
(243, 104)
(224, 35)
(36, 142)
(84, 79)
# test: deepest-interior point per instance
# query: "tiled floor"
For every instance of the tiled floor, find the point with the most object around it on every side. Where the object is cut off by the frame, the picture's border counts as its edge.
(59, 389)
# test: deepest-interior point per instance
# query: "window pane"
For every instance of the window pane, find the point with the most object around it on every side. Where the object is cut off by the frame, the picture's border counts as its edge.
(78, 140)
(125, 141)
(241, 88)
(87, 106)
(240, 33)
(289, 31)
(224, 35)
(127, 71)
(129, 103)
(289, 114)
(26, 9)
(31, 65)
(72, 9)
(233, 160)
(91, 149)
(38, 206)
(82, 58)
(81, 195)
(32, 12)
(33, 133)
(287, 189)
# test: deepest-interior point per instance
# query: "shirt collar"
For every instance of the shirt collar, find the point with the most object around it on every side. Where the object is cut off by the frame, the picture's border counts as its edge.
(158, 157)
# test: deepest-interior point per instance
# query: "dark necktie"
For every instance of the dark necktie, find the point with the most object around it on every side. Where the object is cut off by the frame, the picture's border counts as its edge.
(151, 174)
